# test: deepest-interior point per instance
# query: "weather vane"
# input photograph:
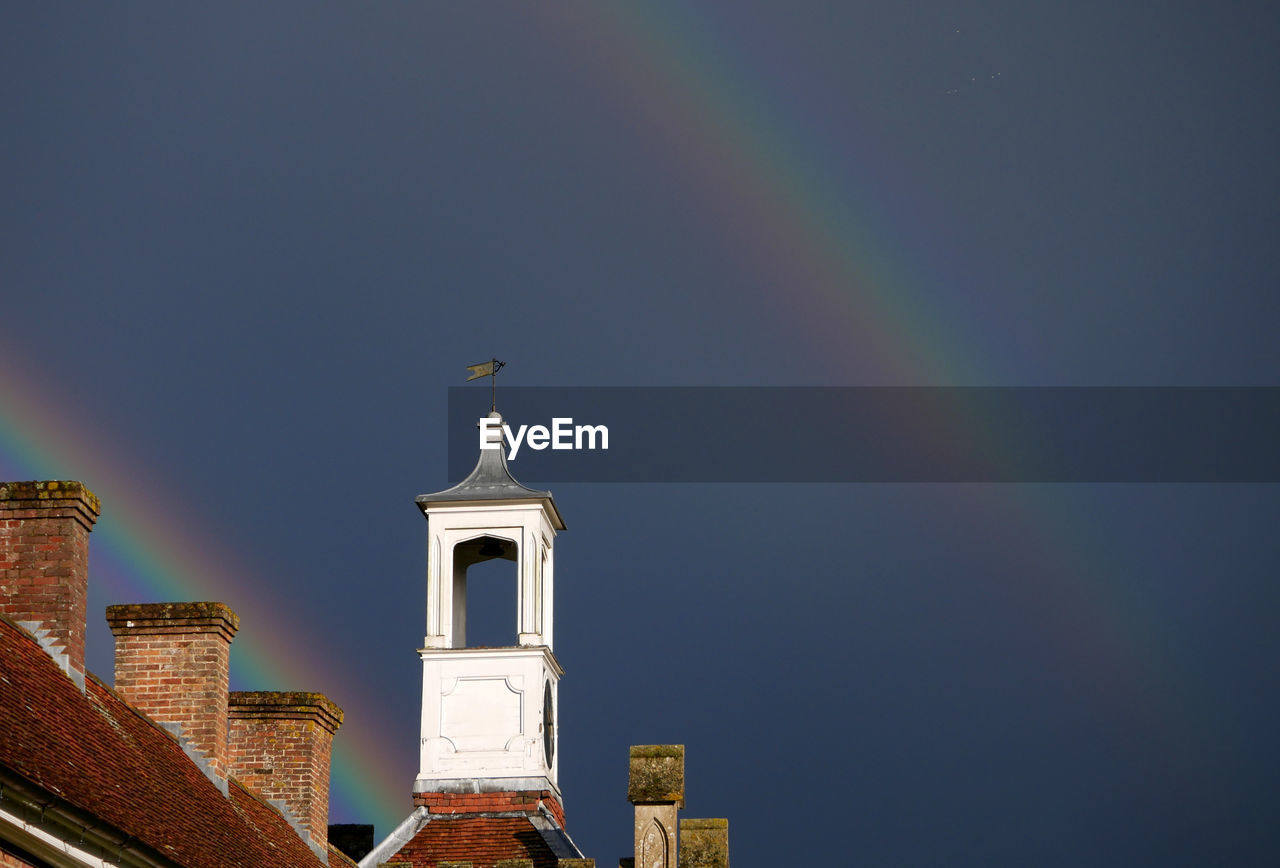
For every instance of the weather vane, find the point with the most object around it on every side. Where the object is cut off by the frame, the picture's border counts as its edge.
(487, 369)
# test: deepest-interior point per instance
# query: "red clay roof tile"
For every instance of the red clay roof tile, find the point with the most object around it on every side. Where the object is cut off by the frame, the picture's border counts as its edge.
(98, 754)
(480, 840)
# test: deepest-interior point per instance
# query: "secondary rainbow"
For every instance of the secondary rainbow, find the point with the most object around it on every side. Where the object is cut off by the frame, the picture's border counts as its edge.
(817, 223)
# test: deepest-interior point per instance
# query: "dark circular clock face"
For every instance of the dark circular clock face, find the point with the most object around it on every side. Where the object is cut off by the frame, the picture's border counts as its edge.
(548, 725)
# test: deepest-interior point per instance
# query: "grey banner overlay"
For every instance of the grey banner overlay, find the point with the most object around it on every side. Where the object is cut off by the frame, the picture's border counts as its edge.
(872, 434)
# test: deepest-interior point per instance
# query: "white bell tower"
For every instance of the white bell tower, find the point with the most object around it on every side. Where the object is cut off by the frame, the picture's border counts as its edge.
(488, 714)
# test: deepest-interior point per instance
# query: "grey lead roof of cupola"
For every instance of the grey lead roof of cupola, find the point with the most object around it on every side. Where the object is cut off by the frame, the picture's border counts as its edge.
(491, 480)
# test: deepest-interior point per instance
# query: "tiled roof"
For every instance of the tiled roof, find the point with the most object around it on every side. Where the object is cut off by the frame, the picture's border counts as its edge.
(97, 755)
(480, 840)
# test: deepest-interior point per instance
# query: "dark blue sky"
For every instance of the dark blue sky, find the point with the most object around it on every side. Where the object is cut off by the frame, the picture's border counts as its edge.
(245, 250)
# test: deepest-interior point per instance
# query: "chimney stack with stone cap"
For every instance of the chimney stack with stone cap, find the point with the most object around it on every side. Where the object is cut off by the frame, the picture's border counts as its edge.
(173, 664)
(44, 564)
(280, 747)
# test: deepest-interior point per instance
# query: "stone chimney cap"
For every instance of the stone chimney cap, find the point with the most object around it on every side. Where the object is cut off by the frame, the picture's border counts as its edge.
(48, 489)
(51, 493)
(290, 705)
(173, 618)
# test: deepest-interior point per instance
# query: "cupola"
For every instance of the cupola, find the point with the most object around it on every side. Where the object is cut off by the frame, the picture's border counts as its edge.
(488, 713)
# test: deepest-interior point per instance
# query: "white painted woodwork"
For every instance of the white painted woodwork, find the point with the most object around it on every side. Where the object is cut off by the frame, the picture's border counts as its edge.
(482, 716)
(527, 527)
(482, 708)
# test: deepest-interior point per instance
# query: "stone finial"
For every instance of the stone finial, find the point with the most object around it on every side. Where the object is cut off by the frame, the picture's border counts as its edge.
(657, 774)
(575, 863)
(704, 844)
(656, 788)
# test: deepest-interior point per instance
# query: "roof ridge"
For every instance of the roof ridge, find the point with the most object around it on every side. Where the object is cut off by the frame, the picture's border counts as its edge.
(489, 815)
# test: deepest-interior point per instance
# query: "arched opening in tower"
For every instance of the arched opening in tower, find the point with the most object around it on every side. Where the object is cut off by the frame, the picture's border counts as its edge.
(487, 609)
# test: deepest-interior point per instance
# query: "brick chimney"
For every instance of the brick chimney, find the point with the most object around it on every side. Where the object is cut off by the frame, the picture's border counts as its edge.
(172, 664)
(44, 564)
(279, 747)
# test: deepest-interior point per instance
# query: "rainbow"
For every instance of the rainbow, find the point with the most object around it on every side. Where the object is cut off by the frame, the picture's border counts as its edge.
(817, 224)
(143, 553)
(769, 187)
